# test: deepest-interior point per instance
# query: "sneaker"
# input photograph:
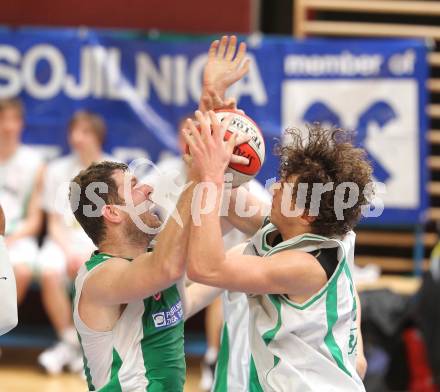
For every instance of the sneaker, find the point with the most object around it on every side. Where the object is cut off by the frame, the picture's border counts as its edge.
(55, 358)
(207, 376)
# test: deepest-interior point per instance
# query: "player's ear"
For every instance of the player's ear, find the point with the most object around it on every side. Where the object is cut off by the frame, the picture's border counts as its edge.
(306, 218)
(111, 213)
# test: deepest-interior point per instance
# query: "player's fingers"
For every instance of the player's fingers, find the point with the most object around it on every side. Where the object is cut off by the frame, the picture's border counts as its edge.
(213, 49)
(215, 125)
(230, 144)
(243, 69)
(239, 159)
(222, 47)
(242, 138)
(241, 53)
(226, 122)
(205, 127)
(189, 139)
(230, 52)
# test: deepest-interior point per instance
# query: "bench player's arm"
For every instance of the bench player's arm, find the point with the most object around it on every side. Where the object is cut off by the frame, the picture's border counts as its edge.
(119, 281)
(33, 222)
(8, 291)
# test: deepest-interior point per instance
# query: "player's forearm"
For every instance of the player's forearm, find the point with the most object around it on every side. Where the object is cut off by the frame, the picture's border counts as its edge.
(206, 252)
(172, 242)
(199, 296)
(8, 292)
(242, 199)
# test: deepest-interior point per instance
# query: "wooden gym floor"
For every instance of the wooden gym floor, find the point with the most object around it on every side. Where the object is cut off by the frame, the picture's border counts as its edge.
(19, 373)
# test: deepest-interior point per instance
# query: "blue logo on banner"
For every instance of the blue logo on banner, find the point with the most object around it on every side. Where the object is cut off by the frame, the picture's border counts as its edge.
(379, 112)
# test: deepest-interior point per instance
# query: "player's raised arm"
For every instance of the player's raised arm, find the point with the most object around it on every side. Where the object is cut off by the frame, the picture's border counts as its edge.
(8, 291)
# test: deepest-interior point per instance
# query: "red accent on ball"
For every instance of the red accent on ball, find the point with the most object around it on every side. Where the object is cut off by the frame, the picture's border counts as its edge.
(245, 150)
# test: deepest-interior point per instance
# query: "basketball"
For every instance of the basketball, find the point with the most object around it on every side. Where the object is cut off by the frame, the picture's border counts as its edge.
(254, 149)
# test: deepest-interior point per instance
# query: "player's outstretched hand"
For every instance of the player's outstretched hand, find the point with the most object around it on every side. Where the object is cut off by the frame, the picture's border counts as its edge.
(226, 65)
(210, 154)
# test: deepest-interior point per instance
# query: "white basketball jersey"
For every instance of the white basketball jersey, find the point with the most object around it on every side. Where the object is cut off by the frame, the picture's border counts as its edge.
(309, 346)
(17, 180)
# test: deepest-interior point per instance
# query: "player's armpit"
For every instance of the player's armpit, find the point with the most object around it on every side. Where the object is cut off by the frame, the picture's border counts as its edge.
(291, 272)
(119, 281)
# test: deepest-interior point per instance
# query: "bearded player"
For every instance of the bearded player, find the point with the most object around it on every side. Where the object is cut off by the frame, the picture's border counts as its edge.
(129, 304)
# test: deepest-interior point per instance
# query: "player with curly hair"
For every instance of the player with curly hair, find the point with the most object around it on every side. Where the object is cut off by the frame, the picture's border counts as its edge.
(303, 306)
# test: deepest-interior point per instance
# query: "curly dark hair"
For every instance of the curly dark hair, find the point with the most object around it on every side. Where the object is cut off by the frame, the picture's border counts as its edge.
(324, 156)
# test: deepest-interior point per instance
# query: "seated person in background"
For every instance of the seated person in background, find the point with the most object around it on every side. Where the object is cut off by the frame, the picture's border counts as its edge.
(8, 316)
(21, 171)
(66, 246)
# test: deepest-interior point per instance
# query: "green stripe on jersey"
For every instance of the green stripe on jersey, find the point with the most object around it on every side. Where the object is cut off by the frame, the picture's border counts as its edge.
(162, 342)
(96, 259)
(86, 367)
(270, 335)
(221, 371)
(254, 382)
(332, 318)
(114, 385)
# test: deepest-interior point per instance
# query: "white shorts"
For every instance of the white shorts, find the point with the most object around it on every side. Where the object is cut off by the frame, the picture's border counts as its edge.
(23, 251)
(51, 256)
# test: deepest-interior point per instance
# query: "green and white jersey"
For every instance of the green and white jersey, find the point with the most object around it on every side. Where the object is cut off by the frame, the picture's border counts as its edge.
(235, 368)
(145, 349)
(309, 346)
(17, 179)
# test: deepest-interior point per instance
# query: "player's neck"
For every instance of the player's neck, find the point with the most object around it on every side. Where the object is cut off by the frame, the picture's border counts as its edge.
(124, 252)
(8, 149)
(124, 249)
(293, 230)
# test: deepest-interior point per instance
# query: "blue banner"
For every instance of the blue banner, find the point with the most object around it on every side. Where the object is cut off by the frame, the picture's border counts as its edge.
(143, 87)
